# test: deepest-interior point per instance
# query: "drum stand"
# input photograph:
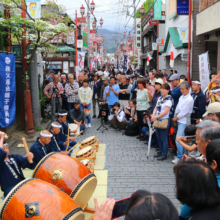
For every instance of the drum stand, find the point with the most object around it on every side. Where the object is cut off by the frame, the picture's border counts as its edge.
(102, 125)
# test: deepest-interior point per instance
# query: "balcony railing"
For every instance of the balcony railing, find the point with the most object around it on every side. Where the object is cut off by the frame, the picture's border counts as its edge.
(203, 4)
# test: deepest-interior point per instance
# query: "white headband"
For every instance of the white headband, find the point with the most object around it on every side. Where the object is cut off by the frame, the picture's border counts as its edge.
(197, 82)
(56, 126)
(5, 144)
(45, 135)
(215, 90)
(62, 114)
(63, 75)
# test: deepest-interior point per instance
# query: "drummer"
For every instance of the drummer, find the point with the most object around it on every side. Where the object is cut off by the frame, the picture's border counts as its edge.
(39, 148)
(10, 167)
(59, 140)
(62, 116)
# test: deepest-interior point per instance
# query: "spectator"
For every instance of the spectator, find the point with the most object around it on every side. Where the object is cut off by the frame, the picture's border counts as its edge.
(130, 111)
(175, 93)
(85, 97)
(161, 112)
(212, 84)
(99, 86)
(106, 73)
(77, 116)
(143, 205)
(142, 103)
(134, 85)
(95, 96)
(124, 93)
(164, 71)
(130, 71)
(197, 187)
(117, 117)
(71, 89)
(171, 72)
(150, 88)
(80, 79)
(216, 93)
(112, 93)
(103, 96)
(199, 106)
(213, 109)
(157, 94)
(175, 72)
(53, 91)
(64, 96)
(152, 78)
(140, 71)
(182, 116)
(118, 78)
(51, 75)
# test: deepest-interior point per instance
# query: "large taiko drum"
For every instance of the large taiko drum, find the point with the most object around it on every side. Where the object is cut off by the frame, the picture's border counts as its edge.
(68, 174)
(38, 200)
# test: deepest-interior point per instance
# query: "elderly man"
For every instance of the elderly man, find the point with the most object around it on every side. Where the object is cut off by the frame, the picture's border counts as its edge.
(39, 148)
(124, 94)
(72, 92)
(53, 91)
(51, 75)
(80, 79)
(213, 109)
(182, 117)
(152, 78)
(199, 106)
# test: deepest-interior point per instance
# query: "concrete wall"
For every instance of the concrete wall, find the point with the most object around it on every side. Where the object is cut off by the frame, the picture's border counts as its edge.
(208, 19)
(179, 65)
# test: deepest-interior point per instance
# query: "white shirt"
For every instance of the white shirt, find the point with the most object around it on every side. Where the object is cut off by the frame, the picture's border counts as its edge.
(166, 103)
(120, 116)
(184, 109)
(106, 73)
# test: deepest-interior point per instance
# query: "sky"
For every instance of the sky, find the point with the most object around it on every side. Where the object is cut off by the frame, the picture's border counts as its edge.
(109, 10)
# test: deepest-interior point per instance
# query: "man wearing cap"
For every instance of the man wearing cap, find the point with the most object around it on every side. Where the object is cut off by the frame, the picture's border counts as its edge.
(213, 109)
(175, 93)
(53, 91)
(10, 167)
(124, 94)
(164, 71)
(199, 106)
(51, 75)
(72, 92)
(39, 148)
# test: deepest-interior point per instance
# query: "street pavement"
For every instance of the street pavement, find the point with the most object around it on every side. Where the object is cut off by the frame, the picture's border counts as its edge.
(128, 167)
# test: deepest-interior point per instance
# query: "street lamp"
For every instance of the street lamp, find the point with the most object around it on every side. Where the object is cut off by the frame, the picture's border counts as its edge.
(82, 10)
(101, 22)
(92, 6)
(93, 25)
(142, 10)
(129, 36)
(124, 33)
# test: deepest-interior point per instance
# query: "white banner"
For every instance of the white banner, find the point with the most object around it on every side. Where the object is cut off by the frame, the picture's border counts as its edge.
(204, 70)
(70, 38)
(81, 58)
(77, 72)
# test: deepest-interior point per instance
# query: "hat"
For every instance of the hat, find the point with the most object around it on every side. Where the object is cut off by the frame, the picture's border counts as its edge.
(174, 77)
(140, 76)
(212, 108)
(147, 80)
(104, 78)
(159, 81)
(100, 73)
(51, 71)
(77, 102)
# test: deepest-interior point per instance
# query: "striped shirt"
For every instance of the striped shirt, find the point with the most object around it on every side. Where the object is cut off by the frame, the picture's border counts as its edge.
(48, 90)
(72, 92)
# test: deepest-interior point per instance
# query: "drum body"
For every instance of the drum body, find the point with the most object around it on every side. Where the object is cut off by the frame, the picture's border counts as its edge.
(38, 200)
(89, 141)
(68, 174)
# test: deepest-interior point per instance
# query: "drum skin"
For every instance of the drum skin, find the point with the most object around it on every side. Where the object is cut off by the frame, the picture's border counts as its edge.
(49, 202)
(75, 179)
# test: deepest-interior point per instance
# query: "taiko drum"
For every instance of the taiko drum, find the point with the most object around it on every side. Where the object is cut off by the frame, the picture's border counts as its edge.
(68, 174)
(38, 200)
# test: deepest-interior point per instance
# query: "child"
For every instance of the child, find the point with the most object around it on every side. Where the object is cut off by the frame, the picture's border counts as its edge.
(10, 167)
(189, 141)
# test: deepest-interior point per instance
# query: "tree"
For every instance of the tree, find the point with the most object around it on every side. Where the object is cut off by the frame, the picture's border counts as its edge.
(147, 6)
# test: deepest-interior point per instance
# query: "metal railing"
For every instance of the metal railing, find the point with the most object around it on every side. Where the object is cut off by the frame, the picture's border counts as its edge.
(203, 4)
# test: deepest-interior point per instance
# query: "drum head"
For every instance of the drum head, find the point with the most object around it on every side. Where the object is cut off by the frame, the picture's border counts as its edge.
(84, 151)
(88, 140)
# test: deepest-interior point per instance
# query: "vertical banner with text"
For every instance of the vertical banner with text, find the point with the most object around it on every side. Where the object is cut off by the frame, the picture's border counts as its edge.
(157, 9)
(204, 69)
(85, 38)
(7, 90)
(81, 58)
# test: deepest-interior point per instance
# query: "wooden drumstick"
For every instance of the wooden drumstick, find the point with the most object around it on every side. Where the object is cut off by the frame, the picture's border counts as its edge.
(79, 125)
(68, 137)
(72, 148)
(78, 134)
(26, 148)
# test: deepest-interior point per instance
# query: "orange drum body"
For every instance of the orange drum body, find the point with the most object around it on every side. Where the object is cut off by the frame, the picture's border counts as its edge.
(68, 174)
(38, 200)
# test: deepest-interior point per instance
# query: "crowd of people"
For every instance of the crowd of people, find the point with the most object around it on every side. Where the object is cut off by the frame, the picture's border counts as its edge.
(181, 117)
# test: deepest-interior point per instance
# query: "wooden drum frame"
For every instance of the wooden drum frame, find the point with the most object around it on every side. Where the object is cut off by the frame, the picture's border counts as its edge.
(69, 175)
(39, 200)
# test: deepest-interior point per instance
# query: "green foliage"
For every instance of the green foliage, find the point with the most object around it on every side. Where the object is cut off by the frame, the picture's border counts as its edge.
(43, 98)
(147, 5)
(38, 128)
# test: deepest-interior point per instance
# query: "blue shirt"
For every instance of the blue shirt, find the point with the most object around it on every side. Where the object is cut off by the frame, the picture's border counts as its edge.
(185, 211)
(11, 173)
(112, 98)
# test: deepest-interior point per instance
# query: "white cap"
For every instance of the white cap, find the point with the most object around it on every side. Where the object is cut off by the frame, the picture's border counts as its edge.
(160, 81)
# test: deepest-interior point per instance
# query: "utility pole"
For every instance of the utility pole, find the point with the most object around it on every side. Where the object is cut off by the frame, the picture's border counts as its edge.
(88, 33)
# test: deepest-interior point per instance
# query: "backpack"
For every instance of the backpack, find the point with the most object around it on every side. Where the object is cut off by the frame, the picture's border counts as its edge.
(172, 137)
(132, 129)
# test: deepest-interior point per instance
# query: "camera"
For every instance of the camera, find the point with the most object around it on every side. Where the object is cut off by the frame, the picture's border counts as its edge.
(145, 113)
(113, 110)
(55, 90)
(128, 108)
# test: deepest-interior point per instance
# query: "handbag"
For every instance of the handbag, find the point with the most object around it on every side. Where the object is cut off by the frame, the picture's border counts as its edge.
(161, 123)
(87, 111)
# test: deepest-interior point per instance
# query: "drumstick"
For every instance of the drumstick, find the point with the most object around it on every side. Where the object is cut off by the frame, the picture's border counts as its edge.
(78, 134)
(72, 148)
(26, 148)
(68, 137)
(78, 125)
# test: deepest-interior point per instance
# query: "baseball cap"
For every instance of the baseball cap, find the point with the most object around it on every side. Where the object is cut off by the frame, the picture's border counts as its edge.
(212, 108)
(104, 78)
(160, 81)
(51, 71)
(77, 102)
(174, 77)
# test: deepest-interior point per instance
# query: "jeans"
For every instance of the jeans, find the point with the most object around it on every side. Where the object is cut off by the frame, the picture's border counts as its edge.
(82, 127)
(109, 108)
(56, 104)
(140, 120)
(145, 132)
(162, 138)
(94, 101)
(88, 117)
(180, 132)
(70, 107)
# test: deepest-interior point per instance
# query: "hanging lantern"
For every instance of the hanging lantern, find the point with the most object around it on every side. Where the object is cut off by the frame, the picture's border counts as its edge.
(93, 25)
(101, 22)
(92, 6)
(142, 10)
(124, 33)
(82, 10)
(129, 36)
(151, 12)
